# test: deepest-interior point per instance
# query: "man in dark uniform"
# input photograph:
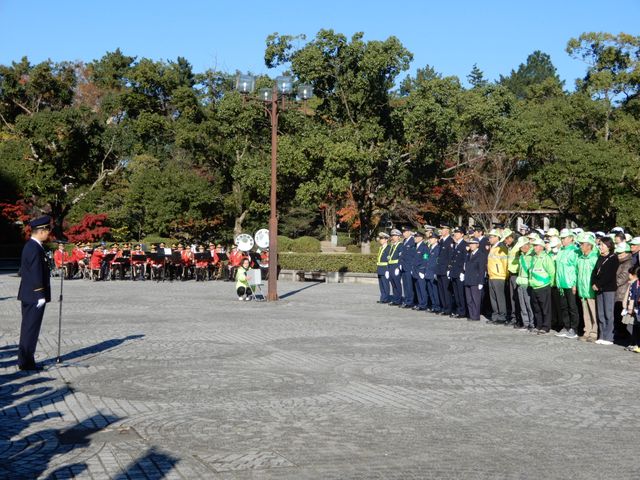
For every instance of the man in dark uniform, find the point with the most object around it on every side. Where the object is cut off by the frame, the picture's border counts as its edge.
(430, 273)
(475, 271)
(383, 271)
(34, 291)
(456, 273)
(442, 270)
(395, 274)
(419, 270)
(407, 259)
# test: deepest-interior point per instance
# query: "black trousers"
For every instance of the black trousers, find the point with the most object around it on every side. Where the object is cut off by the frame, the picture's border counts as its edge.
(474, 301)
(243, 291)
(541, 306)
(569, 309)
(29, 332)
(444, 292)
(460, 307)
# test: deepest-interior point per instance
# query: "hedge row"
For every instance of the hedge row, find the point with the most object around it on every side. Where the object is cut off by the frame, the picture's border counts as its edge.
(298, 245)
(313, 262)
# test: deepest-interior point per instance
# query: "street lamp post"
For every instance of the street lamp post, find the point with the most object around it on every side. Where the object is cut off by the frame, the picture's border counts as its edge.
(282, 87)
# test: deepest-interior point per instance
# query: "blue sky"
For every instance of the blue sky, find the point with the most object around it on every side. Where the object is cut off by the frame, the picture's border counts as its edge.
(449, 35)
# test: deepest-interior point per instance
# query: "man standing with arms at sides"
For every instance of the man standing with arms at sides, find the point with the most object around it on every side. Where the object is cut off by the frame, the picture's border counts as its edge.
(566, 280)
(475, 270)
(383, 271)
(407, 259)
(34, 291)
(634, 244)
(442, 270)
(394, 268)
(541, 275)
(497, 271)
(431, 276)
(456, 273)
(419, 270)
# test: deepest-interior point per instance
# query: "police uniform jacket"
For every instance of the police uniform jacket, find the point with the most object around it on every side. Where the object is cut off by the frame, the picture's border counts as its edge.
(383, 259)
(485, 246)
(446, 252)
(34, 274)
(407, 254)
(421, 258)
(475, 268)
(459, 255)
(432, 261)
(393, 256)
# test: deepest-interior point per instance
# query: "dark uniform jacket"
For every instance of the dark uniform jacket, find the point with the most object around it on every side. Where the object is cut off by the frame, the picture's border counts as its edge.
(432, 261)
(407, 254)
(446, 251)
(383, 259)
(421, 258)
(456, 266)
(475, 268)
(34, 274)
(393, 256)
(485, 246)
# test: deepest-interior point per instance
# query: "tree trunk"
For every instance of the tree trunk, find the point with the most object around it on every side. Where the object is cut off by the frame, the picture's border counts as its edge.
(237, 228)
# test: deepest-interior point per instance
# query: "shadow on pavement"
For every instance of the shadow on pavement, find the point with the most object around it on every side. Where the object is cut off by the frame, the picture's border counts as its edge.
(293, 292)
(153, 465)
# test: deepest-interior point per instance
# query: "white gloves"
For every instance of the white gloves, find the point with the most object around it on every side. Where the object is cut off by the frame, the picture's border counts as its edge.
(624, 312)
(41, 303)
(480, 287)
(386, 274)
(396, 272)
(421, 275)
(462, 277)
(448, 274)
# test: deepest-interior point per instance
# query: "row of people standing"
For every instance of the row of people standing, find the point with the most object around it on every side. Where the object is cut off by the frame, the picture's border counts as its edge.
(532, 281)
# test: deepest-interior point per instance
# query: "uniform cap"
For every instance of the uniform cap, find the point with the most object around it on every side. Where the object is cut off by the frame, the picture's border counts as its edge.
(538, 241)
(498, 225)
(506, 233)
(494, 233)
(459, 230)
(533, 236)
(577, 230)
(554, 242)
(407, 229)
(522, 241)
(635, 241)
(395, 232)
(552, 232)
(622, 248)
(565, 232)
(474, 240)
(627, 237)
(383, 235)
(444, 225)
(419, 233)
(617, 230)
(585, 238)
(429, 227)
(524, 227)
(39, 222)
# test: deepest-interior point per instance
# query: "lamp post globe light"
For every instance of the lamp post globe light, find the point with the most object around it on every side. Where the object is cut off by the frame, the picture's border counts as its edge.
(282, 87)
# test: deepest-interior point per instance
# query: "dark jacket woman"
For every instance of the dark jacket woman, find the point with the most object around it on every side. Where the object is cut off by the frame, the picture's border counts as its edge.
(605, 273)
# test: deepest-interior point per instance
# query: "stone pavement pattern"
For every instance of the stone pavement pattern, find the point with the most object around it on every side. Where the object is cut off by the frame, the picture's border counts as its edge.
(183, 381)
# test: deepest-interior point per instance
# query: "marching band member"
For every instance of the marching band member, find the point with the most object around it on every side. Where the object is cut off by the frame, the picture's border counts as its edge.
(62, 261)
(235, 259)
(201, 266)
(96, 263)
(187, 259)
(138, 262)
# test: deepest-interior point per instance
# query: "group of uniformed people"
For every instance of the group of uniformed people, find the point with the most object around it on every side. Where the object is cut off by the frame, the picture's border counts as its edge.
(531, 279)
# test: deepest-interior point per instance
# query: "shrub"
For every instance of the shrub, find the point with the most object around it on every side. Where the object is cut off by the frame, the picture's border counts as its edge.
(344, 240)
(311, 262)
(151, 239)
(353, 248)
(284, 243)
(305, 245)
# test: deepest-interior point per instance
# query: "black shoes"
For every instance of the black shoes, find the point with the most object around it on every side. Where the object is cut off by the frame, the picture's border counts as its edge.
(31, 368)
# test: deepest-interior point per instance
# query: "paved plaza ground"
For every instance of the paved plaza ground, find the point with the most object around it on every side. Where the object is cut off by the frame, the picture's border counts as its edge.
(180, 380)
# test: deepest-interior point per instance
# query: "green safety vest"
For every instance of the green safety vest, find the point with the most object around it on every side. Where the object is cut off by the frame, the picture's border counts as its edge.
(542, 271)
